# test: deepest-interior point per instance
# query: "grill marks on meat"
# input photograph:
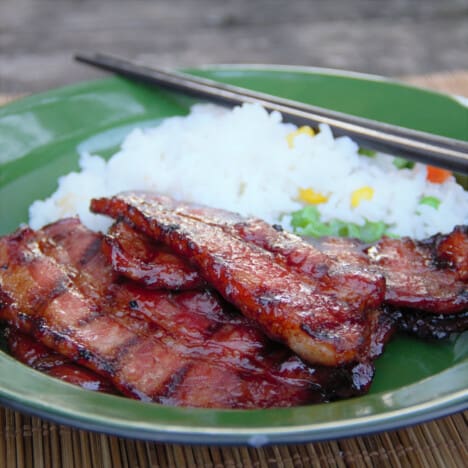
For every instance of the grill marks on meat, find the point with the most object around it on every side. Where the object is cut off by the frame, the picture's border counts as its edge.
(290, 307)
(76, 326)
(31, 352)
(227, 348)
(64, 319)
(139, 258)
(39, 357)
(78, 249)
(362, 286)
(429, 275)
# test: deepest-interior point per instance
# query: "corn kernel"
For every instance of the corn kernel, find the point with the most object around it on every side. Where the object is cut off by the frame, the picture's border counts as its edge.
(305, 130)
(361, 194)
(309, 195)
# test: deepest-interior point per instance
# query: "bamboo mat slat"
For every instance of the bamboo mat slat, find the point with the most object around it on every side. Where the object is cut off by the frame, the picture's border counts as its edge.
(27, 441)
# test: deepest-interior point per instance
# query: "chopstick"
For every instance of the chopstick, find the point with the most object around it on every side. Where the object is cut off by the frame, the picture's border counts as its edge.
(411, 144)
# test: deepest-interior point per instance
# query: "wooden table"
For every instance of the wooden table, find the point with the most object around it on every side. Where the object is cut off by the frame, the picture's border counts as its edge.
(31, 441)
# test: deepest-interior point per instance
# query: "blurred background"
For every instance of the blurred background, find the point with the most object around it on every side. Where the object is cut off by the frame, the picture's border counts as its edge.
(386, 37)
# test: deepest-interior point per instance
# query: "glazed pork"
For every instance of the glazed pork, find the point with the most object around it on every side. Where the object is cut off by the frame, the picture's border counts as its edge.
(151, 310)
(34, 354)
(317, 319)
(39, 297)
(173, 348)
(429, 275)
(152, 264)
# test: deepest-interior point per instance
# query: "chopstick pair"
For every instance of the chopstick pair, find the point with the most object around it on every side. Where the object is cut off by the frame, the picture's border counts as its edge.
(411, 144)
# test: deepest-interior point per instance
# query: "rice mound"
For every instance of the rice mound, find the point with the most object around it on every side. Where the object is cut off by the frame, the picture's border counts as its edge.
(240, 160)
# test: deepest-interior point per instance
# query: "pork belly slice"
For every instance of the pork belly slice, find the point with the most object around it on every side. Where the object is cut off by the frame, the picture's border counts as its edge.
(416, 278)
(34, 354)
(427, 275)
(152, 264)
(363, 286)
(38, 296)
(306, 314)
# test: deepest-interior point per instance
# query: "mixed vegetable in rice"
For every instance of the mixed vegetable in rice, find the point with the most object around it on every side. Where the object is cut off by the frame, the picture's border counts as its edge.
(248, 161)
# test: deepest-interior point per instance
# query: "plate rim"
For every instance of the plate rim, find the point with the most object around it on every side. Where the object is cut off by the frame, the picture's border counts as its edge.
(338, 72)
(258, 436)
(252, 67)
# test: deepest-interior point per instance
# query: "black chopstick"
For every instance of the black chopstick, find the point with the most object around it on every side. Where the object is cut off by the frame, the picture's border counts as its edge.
(415, 145)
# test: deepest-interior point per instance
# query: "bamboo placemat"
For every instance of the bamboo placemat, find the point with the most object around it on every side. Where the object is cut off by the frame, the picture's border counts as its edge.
(30, 441)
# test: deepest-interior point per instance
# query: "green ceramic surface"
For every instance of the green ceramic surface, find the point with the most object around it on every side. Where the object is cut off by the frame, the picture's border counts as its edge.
(40, 139)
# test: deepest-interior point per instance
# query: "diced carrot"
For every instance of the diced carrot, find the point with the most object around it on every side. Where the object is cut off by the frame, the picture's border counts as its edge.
(437, 175)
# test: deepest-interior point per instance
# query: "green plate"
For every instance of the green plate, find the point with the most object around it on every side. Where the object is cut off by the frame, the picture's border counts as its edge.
(40, 138)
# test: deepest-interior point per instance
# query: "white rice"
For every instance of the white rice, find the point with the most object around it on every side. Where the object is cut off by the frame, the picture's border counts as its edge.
(240, 160)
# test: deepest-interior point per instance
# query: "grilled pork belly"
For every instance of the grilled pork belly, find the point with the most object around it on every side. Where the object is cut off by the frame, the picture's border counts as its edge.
(38, 296)
(315, 318)
(88, 308)
(34, 354)
(429, 275)
(152, 264)
(187, 348)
